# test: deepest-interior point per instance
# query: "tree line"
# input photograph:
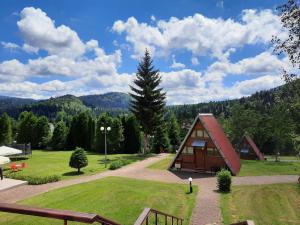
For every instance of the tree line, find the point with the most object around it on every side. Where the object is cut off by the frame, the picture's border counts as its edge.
(83, 130)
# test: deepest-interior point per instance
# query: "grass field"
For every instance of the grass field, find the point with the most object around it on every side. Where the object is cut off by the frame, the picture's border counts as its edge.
(50, 163)
(276, 204)
(283, 158)
(162, 164)
(120, 199)
(259, 168)
(249, 167)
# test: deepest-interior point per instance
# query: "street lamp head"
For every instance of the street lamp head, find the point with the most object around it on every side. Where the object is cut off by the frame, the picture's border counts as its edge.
(108, 128)
(190, 179)
(102, 128)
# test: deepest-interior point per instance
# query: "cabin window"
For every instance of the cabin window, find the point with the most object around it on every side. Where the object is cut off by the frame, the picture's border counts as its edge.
(213, 152)
(205, 134)
(199, 133)
(190, 150)
(193, 134)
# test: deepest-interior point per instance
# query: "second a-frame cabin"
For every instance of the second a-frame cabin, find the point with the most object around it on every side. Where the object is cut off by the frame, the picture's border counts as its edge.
(206, 148)
(249, 150)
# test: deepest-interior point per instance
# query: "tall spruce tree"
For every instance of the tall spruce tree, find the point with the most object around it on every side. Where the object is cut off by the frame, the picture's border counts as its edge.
(26, 128)
(43, 132)
(148, 99)
(132, 135)
(174, 132)
(5, 129)
(59, 136)
(161, 142)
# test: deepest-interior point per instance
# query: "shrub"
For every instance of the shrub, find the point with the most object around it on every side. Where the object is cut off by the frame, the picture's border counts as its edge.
(33, 180)
(224, 180)
(118, 164)
(78, 159)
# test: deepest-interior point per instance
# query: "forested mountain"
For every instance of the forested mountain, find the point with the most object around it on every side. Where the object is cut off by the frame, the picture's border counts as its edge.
(113, 102)
(6, 101)
(109, 100)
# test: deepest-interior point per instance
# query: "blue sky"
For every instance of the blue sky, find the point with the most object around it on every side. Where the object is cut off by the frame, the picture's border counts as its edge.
(205, 50)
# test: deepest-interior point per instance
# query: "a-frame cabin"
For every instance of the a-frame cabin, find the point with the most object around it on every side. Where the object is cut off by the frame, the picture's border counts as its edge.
(249, 150)
(206, 148)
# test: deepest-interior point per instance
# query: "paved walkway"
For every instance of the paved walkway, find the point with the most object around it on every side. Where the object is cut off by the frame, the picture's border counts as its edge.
(207, 210)
(7, 183)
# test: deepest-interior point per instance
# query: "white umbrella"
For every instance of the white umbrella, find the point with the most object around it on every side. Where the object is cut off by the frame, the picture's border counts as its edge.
(4, 160)
(6, 151)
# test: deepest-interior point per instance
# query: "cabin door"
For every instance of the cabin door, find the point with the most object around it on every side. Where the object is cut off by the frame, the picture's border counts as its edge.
(199, 158)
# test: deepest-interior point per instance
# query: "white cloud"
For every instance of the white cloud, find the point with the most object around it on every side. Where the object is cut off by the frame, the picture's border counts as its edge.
(90, 70)
(195, 61)
(200, 35)
(9, 45)
(220, 4)
(176, 65)
(40, 32)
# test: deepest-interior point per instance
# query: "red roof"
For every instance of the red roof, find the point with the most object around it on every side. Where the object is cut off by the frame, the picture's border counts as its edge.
(221, 141)
(254, 147)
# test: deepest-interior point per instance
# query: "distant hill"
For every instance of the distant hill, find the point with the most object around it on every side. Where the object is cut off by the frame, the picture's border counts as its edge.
(113, 102)
(109, 100)
(117, 102)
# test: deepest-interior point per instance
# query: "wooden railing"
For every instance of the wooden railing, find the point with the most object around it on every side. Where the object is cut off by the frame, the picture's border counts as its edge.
(56, 214)
(145, 215)
(247, 222)
(159, 217)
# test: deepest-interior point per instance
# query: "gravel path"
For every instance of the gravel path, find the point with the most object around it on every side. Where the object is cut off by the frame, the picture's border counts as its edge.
(206, 211)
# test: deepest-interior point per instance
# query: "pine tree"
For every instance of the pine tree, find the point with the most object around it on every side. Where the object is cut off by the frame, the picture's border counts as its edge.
(80, 132)
(174, 132)
(26, 128)
(43, 133)
(5, 129)
(161, 140)
(78, 159)
(132, 135)
(114, 136)
(148, 100)
(59, 136)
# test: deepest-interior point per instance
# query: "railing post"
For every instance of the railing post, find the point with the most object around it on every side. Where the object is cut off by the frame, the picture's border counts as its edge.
(177, 221)
(147, 220)
(172, 220)
(166, 220)
(156, 220)
(65, 222)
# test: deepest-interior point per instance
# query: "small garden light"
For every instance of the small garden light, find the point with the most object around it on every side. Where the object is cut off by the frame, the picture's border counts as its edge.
(191, 187)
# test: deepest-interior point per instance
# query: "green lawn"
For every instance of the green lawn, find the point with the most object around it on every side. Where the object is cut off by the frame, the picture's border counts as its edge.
(276, 204)
(120, 199)
(162, 164)
(249, 167)
(258, 168)
(283, 158)
(50, 163)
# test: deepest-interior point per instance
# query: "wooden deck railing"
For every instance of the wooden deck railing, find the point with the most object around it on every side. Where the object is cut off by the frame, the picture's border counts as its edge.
(145, 215)
(56, 214)
(247, 222)
(94, 218)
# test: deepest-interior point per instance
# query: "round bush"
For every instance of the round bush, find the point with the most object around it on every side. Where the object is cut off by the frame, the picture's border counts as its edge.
(78, 159)
(224, 180)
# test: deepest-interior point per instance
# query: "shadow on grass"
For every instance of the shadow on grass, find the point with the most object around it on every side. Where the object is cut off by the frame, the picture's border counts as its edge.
(72, 173)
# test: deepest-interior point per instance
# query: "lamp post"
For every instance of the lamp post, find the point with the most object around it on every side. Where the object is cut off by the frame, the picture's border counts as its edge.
(105, 130)
(191, 187)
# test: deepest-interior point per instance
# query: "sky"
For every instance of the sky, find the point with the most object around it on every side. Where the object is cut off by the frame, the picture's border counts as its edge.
(205, 50)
